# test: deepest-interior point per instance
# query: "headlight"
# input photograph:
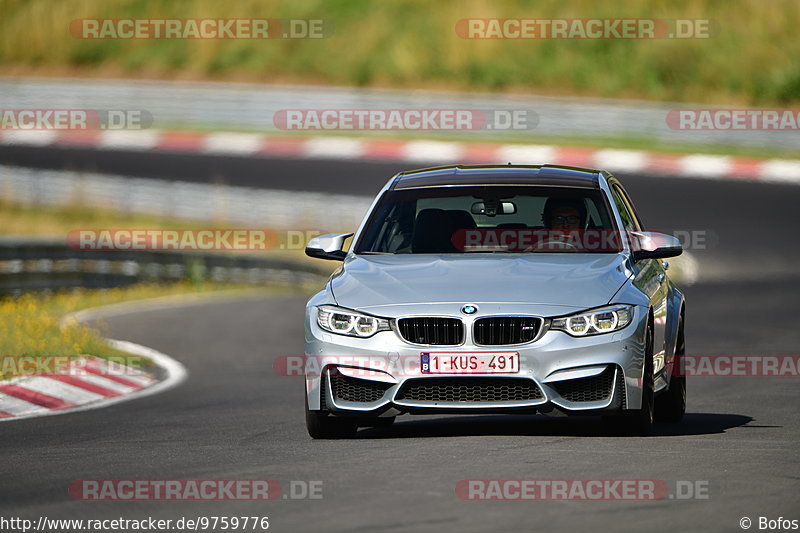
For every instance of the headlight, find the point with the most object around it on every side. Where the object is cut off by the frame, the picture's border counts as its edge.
(352, 323)
(595, 322)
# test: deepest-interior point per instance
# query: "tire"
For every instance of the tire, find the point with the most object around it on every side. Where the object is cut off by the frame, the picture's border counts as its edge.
(639, 422)
(671, 404)
(321, 425)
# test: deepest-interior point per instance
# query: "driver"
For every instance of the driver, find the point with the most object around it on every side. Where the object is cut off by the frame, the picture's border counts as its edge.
(564, 214)
(564, 218)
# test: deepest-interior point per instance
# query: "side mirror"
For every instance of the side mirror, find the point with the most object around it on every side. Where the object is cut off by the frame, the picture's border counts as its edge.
(328, 246)
(653, 245)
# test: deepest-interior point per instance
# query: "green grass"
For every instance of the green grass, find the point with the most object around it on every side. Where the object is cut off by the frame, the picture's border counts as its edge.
(750, 60)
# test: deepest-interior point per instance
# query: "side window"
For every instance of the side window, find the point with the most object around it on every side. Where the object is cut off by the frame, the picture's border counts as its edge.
(627, 218)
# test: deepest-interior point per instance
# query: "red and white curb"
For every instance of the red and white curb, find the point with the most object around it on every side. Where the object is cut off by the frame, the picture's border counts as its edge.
(419, 151)
(89, 383)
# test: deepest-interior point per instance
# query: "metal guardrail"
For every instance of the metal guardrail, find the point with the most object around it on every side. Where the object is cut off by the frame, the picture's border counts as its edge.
(250, 107)
(36, 264)
(47, 264)
(250, 207)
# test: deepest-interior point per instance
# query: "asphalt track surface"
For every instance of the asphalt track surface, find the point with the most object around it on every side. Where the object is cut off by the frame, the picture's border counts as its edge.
(235, 418)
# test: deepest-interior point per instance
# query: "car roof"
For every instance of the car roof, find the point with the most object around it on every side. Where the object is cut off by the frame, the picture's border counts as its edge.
(465, 175)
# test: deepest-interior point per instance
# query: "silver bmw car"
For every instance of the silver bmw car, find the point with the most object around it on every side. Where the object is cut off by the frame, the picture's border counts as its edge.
(496, 289)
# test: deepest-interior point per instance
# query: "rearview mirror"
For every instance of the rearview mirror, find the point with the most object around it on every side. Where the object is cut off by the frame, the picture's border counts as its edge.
(491, 209)
(653, 245)
(328, 246)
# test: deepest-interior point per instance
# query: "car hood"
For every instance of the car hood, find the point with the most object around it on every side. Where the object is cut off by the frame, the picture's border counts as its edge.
(565, 280)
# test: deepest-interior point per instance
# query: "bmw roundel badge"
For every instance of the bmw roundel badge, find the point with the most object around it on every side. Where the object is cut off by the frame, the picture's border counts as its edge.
(469, 309)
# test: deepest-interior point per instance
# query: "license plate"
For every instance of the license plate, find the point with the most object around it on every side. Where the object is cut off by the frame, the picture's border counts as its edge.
(470, 363)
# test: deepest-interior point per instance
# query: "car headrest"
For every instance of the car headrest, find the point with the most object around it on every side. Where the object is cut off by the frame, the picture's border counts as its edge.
(434, 229)
(460, 219)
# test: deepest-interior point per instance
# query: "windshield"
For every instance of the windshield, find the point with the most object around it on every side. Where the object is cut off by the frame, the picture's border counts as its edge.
(490, 219)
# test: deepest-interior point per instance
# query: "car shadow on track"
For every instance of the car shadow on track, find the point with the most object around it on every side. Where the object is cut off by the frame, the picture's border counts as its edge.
(535, 425)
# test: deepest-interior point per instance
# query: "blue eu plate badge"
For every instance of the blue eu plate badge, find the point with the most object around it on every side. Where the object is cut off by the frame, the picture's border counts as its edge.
(426, 362)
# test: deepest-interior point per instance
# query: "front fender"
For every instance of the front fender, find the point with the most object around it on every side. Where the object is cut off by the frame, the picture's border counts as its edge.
(675, 303)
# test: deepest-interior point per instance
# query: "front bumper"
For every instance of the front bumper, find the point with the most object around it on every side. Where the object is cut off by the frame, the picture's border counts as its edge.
(381, 376)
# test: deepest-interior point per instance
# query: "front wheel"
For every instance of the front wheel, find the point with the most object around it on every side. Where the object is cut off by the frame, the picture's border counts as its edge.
(640, 421)
(671, 404)
(321, 425)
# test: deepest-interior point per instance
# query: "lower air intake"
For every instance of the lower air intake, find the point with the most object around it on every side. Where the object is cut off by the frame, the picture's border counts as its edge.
(592, 389)
(470, 390)
(349, 389)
